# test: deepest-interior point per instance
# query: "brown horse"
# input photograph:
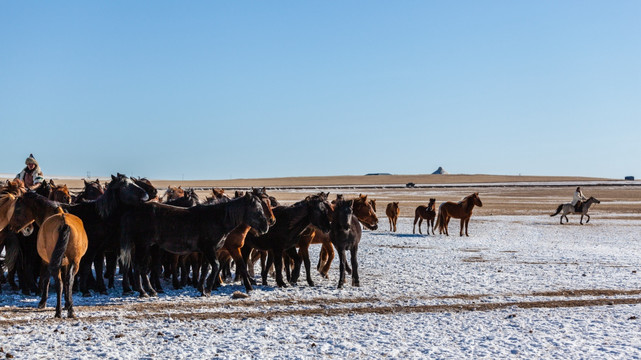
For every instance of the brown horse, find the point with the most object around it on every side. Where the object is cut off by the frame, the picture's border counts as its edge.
(425, 212)
(62, 242)
(59, 193)
(392, 211)
(461, 210)
(8, 196)
(218, 196)
(173, 193)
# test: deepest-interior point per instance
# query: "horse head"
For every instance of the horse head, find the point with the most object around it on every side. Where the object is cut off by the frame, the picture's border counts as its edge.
(266, 203)
(319, 210)
(477, 200)
(365, 212)
(342, 218)
(432, 204)
(173, 193)
(127, 190)
(60, 193)
(92, 190)
(146, 185)
(255, 215)
(23, 214)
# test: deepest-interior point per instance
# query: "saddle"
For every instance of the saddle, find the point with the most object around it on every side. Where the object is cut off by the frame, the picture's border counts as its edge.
(579, 206)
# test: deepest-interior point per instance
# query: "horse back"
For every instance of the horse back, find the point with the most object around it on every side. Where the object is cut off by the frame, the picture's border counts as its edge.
(48, 237)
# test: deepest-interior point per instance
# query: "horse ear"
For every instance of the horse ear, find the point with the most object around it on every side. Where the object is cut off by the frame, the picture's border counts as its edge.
(85, 181)
(97, 181)
(113, 178)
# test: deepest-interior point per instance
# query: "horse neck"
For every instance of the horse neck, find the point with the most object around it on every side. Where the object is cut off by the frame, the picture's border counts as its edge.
(229, 214)
(298, 216)
(468, 204)
(42, 209)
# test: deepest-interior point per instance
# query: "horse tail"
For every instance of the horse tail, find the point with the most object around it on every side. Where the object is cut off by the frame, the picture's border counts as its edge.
(64, 232)
(125, 250)
(439, 221)
(13, 253)
(558, 210)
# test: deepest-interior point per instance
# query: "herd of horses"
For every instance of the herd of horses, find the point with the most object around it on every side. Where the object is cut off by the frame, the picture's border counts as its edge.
(125, 224)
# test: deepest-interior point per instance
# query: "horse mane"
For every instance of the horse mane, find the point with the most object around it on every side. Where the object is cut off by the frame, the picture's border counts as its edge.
(234, 209)
(108, 202)
(299, 210)
(468, 201)
(41, 200)
(15, 188)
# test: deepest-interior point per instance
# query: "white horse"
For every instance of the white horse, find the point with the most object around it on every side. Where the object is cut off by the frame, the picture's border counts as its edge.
(569, 209)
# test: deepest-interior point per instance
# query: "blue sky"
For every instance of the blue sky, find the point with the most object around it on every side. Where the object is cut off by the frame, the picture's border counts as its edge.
(219, 90)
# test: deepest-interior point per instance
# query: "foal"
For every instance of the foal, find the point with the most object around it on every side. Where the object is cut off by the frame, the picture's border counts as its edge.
(425, 212)
(392, 211)
(345, 234)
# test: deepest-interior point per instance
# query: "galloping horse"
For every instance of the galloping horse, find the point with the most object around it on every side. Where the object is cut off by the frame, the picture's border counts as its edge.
(62, 242)
(425, 212)
(569, 209)
(461, 210)
(392, 211)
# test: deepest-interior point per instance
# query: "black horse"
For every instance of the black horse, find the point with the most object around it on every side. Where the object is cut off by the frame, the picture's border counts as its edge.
(290, 222)
(183, 231)
(345, 235)
(101, 220)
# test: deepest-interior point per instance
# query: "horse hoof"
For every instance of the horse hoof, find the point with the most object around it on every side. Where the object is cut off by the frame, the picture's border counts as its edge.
(42, 305)
(71, 315)
(311, 283)
(87, 294)
(205, 294)
(127, 293)
(356, 283)
(143, 295)
(58, 315)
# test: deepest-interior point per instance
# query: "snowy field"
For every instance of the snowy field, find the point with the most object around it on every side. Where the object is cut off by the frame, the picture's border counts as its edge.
(519, 287)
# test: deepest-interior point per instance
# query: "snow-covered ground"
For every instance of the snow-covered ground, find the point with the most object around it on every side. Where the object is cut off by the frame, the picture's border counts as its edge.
(518, 287)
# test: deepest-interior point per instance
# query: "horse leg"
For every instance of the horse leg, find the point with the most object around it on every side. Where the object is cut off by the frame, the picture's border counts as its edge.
(588, 218)
(278, 267)
(111, 258)
(156, 271)
(420, 222)
(291, 252)
(395, 219)
(58, 281)
(355, 280)
(416, 217)
(467, 223)
(287, 264)
(210, 255)
(173, 266)
(446, 224)
(342, 259)
(45, 279)
(65, 282)
(303, 253)
(329, 248)
(69, 295)
(390, 223)
(85, 269)
(99, 263)
(241, 267)
(581, 220)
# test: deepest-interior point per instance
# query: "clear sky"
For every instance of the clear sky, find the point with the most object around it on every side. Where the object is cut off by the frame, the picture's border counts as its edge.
(242, 89)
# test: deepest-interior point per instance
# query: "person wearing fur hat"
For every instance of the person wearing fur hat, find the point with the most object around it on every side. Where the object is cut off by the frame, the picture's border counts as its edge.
(31, 175)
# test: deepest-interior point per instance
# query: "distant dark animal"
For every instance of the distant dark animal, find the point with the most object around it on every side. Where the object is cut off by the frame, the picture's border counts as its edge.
(570, 209)
(291, 221)
(62, 242)
(425, 212)
(460, 210)
(392, 211)
(92, 190)
(59, 193)
(184, 231)
(345, 234)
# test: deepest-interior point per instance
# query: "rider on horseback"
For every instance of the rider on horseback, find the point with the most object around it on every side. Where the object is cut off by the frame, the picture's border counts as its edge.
(578, 199)
(31, 175)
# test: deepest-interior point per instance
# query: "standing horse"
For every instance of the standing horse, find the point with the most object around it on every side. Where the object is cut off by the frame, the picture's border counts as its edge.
(345, 234)
(425, 212)
(91, 191)
(173, 193)
(570, 209)
(101, 220)
(365, 213)
(62, 242)
(291, 221)
(184, 231)
(460, 210)
(59, 193)
(392, 211)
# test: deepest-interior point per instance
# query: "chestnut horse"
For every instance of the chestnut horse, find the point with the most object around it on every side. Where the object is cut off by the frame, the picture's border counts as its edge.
(59, 193)
(392, 211)
(62, 242)
(8, 195)
(425, 212)
(173, 193)
(460, 210)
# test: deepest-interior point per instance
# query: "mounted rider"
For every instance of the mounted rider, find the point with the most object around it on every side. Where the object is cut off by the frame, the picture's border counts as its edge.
(578, 199)
(31, 175)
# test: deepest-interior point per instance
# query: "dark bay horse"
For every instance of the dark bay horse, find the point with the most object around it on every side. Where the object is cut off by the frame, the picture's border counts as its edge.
(460, 210)
(92, 190)
(101, 220)
(366, 215)
(291, 221)
(62, 242)
(184, 231)
(425, 212)
(345, 234)
(392, 211)
(570, 209)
